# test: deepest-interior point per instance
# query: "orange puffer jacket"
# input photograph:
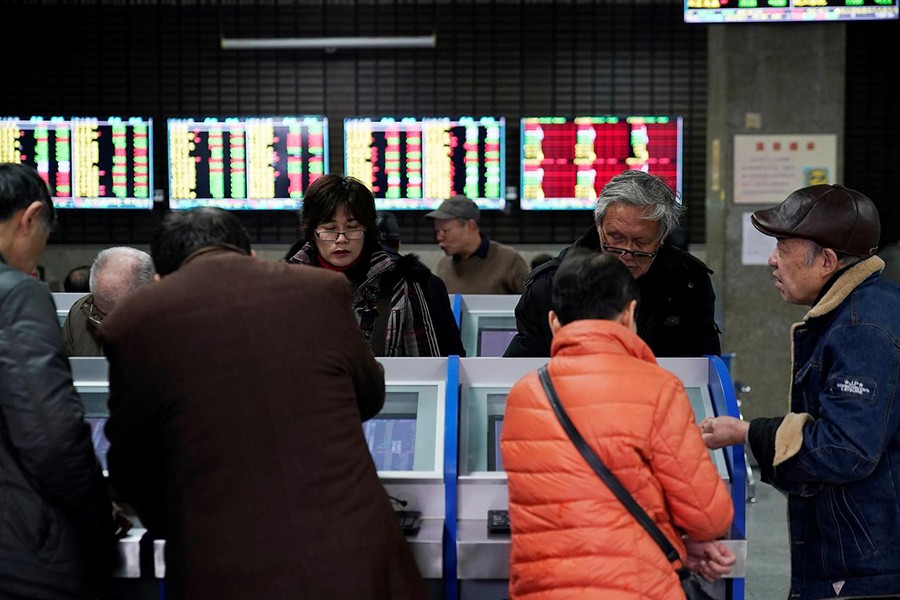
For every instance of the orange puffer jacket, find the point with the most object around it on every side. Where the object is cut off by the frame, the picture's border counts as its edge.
(571, 537)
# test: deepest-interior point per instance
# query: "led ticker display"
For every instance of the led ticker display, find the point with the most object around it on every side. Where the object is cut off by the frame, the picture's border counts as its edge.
(787, 11)
(415, 164)
(259, 163)
(87, 162)
(566, 162)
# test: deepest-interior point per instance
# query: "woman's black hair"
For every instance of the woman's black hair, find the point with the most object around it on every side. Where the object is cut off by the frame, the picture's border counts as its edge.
(327, 194)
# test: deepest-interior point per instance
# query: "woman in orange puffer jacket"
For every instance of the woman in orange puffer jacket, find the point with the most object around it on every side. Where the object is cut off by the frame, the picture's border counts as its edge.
(571, 537)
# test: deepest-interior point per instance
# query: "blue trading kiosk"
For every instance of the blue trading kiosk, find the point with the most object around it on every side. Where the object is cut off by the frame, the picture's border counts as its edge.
(487, 323)
(407, 442)
(482, 557)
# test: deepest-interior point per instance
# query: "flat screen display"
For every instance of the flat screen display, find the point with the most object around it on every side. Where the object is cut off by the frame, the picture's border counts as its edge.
(415, 164)
(493, 342)
(246, 163)
(566, 162)
(495, 429)
(788, 11)
(392, 441)
(87, 162)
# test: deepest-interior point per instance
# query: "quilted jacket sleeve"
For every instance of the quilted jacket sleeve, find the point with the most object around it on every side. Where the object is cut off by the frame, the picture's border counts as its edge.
(698, 499)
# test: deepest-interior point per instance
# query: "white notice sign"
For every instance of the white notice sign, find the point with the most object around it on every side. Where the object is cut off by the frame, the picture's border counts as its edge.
(756, 247)
(769, 167)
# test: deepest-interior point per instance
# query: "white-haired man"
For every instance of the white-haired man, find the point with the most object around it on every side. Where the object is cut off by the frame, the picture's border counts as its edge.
(115, 273)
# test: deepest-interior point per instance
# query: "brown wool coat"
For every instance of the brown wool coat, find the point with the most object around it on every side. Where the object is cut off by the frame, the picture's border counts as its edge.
(237, 390)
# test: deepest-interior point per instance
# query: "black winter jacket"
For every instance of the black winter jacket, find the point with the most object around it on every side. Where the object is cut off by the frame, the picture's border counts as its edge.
(55, 514)
(675, 312)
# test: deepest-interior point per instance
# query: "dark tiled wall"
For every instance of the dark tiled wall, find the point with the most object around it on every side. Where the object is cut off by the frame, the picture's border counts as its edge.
(161, 58)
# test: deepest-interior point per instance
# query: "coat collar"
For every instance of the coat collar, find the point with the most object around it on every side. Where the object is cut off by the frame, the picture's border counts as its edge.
(844, 285)
(598, 336)
(211, 251)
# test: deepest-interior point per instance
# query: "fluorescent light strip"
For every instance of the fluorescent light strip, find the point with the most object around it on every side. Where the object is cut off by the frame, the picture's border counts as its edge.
(326, 43)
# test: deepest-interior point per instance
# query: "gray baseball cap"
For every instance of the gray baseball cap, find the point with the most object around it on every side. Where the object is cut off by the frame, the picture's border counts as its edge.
(457, 207)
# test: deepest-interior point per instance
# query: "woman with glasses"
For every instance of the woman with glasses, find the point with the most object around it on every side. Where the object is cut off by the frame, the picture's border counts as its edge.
(634, 215)
(402, 308)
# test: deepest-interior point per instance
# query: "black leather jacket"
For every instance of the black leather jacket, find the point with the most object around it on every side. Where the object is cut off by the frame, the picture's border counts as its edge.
(675, 312)
(55, 514)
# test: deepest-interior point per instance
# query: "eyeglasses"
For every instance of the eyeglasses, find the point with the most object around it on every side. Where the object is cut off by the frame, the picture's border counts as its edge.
(93, 314)
(622, 252)
(332, 236)
(637, 254)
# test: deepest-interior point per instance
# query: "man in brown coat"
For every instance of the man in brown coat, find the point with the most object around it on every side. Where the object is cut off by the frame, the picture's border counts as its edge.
(237, 391)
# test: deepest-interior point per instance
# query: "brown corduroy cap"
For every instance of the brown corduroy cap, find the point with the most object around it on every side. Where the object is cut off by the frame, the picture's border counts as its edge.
(831, 215)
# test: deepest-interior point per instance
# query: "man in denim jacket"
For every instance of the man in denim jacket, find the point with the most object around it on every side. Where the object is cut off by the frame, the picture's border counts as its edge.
(837, 453)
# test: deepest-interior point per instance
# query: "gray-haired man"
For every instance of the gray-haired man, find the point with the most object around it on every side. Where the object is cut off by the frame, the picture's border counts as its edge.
(634, 214)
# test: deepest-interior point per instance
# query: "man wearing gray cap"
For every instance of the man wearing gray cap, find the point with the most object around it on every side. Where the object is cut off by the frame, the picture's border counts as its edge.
(473, 264)
(837, 453)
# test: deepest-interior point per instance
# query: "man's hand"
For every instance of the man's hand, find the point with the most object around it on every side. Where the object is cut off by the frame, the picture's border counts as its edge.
(710, 560)
(719, 432)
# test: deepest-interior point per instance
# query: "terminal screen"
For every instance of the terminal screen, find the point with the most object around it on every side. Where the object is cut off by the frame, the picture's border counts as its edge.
(261, 163)
(415, 164)
(392, 441)
(493, 342)
(495, 429)
(98, 438)
(566, 162)
(86, 162)
(786, 11)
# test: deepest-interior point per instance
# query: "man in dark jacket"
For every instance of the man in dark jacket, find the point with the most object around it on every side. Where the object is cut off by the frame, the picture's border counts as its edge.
(237, 392)
(676, 313)
(55, 515)
(837, 453)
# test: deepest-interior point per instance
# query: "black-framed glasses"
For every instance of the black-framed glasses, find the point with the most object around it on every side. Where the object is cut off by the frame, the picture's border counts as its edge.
(615, 251)
(332, 236)
(93, 314)
(639, 254)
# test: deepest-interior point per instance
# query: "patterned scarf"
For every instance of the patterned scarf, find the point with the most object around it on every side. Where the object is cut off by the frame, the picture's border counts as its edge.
(409, 330)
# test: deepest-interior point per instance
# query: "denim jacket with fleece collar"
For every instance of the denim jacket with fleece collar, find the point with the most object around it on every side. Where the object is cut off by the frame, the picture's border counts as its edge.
(837, 454)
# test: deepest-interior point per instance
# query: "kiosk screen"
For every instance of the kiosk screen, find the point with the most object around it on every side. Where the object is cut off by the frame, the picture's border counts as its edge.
(392, 441)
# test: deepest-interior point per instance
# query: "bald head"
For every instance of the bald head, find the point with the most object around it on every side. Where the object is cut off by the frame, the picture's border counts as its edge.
(116, 272)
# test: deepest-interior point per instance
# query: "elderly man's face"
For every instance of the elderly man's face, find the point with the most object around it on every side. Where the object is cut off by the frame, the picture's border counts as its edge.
(454, 237)
(798, 274)
(624, 227)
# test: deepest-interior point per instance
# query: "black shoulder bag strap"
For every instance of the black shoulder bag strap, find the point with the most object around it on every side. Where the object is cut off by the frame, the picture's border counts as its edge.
(600, 469)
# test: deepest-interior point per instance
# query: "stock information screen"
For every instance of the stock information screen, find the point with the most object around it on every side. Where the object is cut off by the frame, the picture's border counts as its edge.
(414, 164)
(264, 163)
(87, 162)
(566, 162)
(785, 11)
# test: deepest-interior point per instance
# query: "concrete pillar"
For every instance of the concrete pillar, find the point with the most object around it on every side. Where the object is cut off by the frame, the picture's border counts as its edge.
(763, 79)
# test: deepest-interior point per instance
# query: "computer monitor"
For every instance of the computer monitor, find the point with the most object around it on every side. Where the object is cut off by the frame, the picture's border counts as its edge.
(392, 441)
(98, 437)
(494, 341)
(788, 11)
(495, 429)
(567, 161)
(87, 162)
(415, 164)
(246, 163)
